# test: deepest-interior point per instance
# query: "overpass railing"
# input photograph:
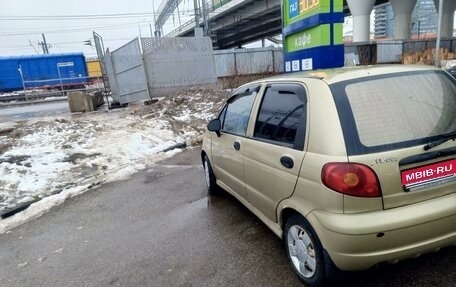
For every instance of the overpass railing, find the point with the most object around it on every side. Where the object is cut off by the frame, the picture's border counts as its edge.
(184, 27)
(191, 23)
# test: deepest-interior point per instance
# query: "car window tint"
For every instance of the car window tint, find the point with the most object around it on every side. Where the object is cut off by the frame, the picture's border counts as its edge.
(281, 117)
(402, 108)
(398, 110)
(237, 112)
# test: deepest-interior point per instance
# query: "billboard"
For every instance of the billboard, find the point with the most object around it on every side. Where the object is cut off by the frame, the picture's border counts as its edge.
(313, 34)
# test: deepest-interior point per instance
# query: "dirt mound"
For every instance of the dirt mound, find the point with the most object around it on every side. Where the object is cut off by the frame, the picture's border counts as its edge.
(47, 155)
(187, 111)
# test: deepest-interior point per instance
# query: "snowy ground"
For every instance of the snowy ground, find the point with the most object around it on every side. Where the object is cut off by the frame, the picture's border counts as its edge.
(58, 157)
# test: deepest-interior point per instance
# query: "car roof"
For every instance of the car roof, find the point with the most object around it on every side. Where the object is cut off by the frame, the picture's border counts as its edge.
(331, 76)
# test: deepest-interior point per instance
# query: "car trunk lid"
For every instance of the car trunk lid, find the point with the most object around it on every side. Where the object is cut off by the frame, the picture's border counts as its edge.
(403, 126)
(410, 175)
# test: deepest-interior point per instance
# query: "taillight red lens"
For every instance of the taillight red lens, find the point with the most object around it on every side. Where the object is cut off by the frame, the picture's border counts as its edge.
(351, 178)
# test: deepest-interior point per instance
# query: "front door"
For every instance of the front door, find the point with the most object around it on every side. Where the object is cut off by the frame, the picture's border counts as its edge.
(228, 149)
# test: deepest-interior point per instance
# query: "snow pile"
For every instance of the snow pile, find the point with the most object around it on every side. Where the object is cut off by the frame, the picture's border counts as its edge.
(64, 156)
(60, 154)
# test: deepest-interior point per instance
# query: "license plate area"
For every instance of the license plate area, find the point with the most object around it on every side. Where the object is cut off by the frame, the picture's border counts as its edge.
(430, 175)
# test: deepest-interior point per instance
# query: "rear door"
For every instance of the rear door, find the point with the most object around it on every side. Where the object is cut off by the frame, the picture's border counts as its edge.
(389, 120)
(228, 149)
(274, 152)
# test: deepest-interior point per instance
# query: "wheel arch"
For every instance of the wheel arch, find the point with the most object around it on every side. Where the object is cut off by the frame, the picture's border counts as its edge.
(203, 154)
(285, 214)
(288, 212)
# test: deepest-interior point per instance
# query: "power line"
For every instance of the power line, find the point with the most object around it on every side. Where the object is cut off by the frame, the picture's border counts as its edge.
(87, 28)
(72, 17)
(129, 25)
(189, 12)
(15, 47)
(81, 16)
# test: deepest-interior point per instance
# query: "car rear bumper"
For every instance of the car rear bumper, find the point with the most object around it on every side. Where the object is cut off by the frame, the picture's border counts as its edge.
(360, 241)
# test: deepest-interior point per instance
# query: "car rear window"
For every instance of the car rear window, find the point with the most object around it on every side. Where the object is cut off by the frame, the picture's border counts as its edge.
(397, 110)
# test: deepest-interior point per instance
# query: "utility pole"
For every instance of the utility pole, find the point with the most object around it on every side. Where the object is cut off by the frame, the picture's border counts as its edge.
(439, 34)
(157, 33)
(197, 14)
(44, 45)
(207, 31)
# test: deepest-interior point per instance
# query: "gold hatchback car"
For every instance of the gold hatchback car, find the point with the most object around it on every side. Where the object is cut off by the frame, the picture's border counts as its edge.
(350, 167)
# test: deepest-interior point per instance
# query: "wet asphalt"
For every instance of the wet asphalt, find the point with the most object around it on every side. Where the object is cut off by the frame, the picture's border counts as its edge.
(24, 111)
(160, 228)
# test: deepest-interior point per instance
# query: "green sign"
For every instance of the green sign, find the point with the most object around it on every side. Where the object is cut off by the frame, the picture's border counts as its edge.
(314, 37)
(296, 10)
(338, 34)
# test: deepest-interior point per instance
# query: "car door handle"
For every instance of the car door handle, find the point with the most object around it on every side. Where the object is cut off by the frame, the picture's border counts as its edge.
(237, 145)
(287, 161)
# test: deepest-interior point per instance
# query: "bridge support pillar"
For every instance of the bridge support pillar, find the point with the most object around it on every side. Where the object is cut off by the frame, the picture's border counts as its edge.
(402, 17)
(361, 10)
(449, 6)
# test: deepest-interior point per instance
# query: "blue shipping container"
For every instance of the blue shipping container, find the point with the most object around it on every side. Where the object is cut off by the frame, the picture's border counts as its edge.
(42, 71)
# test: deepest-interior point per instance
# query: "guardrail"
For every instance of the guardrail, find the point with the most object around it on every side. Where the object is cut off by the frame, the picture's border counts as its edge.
(183, 27)
(191, 23)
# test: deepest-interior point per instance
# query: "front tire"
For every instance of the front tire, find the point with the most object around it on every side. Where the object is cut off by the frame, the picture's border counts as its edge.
(305, 252)
(212, 187)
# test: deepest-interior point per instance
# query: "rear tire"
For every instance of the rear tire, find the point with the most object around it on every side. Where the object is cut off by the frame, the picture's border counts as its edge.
(211, 182)
(305, 252)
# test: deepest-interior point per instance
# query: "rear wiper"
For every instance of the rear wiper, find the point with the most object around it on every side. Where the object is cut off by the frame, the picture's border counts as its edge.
(450, 136)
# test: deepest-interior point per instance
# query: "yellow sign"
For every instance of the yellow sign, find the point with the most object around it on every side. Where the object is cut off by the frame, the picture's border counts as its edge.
(305, 5)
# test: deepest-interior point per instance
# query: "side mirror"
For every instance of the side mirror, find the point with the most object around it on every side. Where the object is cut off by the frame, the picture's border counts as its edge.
(215, 126)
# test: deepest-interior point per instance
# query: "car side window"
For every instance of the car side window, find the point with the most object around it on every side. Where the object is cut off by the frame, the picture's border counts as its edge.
(237, 111)
(282, 116)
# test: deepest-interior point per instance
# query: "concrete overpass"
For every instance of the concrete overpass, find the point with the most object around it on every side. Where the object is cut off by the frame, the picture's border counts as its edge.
(243, 21)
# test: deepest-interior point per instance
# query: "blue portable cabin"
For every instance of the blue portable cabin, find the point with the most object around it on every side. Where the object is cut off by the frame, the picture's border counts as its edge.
(42, 71)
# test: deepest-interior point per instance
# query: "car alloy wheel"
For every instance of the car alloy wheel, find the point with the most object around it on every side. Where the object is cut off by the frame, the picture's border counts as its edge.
(305, 252)
(301, 251)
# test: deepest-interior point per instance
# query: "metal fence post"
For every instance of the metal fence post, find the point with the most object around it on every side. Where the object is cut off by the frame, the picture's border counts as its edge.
(273, 61)
(60, 79)
(22, 78)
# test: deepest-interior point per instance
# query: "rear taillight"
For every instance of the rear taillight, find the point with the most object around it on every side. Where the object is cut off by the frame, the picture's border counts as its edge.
(351, 178)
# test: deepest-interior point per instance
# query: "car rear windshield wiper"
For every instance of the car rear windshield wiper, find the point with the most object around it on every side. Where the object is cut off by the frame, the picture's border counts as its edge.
(450, 136)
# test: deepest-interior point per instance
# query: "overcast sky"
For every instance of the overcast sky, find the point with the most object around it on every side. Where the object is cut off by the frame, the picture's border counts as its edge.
(23, 21)
(67, 24)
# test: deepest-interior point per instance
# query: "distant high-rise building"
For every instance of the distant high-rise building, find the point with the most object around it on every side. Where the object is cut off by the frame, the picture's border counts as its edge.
(384, 21)
(424, 20)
